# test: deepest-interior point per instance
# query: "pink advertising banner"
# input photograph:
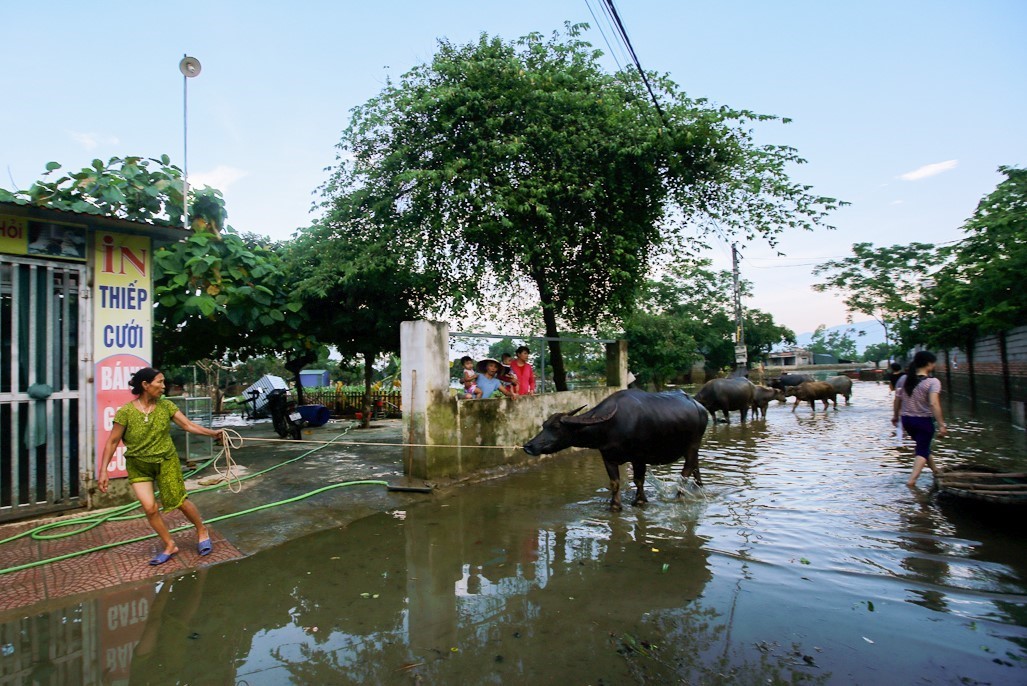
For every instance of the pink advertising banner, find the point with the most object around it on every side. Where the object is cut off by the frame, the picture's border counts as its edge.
(122, 328)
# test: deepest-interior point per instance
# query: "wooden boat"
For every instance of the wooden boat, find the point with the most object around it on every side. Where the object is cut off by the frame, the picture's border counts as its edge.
(978, 483)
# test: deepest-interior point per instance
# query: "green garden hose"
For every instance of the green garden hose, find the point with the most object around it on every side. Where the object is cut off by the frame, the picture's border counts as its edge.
(87, 522)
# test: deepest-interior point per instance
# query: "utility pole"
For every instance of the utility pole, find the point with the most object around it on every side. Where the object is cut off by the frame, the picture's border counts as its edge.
(741, 357)
(190, 67)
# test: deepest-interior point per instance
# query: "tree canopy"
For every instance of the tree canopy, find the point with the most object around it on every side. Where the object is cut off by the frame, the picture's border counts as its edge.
(683, 318)
(512, 163)
(884, 283)
(979, 290)
(218, 294)
(359, 290)
(841, 344)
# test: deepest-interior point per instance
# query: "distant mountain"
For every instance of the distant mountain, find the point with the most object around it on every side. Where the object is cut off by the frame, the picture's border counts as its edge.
(873, 333)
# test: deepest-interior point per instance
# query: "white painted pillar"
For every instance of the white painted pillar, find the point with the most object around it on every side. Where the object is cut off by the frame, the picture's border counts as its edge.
(424, 351)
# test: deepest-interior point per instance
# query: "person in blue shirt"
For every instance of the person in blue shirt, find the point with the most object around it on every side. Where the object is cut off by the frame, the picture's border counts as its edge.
(488, 379)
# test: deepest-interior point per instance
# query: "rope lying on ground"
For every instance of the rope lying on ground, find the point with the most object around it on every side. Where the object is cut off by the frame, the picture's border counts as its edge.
(398, 445)
(233, 441)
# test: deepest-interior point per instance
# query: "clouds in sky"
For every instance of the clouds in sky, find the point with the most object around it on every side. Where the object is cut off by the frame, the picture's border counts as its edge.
(929, 170)
(91, 141)
(220, 177)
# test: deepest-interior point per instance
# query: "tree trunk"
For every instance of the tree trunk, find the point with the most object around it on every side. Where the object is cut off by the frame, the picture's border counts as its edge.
(555, 351)
(295, 366)
(549, 317)
(368, 374)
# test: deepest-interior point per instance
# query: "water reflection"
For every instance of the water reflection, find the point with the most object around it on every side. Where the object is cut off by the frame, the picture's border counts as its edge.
(806, 560)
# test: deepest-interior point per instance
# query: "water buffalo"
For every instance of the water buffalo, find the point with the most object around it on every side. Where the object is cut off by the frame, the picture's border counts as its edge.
(726, 395)
(630, 426)
(786, 380)
(843, 385)
(761, 397)
(813, 391)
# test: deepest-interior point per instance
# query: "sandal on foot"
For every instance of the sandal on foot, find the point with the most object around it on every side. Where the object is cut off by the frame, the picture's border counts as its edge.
(161, 559)
(204, 547)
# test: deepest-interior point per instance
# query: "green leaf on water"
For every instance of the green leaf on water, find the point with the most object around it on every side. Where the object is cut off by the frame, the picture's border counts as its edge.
(804, 561)
(870, 606)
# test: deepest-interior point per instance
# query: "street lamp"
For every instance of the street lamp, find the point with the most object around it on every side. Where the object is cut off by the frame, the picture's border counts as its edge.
(190, 67)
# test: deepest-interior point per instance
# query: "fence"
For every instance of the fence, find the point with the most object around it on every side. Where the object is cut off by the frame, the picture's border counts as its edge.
(383, 404)
(993, 370)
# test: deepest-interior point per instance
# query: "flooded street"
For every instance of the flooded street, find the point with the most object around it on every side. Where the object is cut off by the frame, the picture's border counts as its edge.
(806, 560)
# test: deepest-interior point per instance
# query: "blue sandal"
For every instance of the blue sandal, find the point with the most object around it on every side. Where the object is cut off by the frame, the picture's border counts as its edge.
(204, 547)
(161, 559)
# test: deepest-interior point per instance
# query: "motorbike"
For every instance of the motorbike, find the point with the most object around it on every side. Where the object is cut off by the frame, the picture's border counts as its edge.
(287, 421)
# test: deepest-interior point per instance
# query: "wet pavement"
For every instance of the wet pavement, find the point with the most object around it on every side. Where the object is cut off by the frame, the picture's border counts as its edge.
(60, 563)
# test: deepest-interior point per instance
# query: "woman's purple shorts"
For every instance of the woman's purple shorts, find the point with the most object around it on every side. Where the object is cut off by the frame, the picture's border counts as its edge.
(921, 430)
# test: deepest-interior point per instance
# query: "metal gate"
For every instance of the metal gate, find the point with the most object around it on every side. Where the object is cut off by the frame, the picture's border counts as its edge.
(43, 429)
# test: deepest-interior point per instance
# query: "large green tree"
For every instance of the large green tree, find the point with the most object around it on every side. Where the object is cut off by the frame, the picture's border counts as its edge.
(684, 317)
(884, 283)
(524, 164)
(980, 289)
(359, 290)
(841, 344)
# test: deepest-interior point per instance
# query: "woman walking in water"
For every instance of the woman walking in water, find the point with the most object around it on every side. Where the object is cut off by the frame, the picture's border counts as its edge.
(918, 405)
(150, 457)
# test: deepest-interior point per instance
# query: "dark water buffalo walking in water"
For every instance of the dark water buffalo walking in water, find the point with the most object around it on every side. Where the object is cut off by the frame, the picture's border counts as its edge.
(785, 381)
(630, 426)
(761, 397)
(843, 385)
(813, 391)
(726, 395)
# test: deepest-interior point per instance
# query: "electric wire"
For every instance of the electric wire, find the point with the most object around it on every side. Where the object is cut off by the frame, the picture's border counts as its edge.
(602, 33)
(631, 50)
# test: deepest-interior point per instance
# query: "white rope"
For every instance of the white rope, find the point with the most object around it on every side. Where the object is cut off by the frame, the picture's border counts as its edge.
(231, 439)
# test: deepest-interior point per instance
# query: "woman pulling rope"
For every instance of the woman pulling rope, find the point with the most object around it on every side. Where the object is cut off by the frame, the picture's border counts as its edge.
(150, 456)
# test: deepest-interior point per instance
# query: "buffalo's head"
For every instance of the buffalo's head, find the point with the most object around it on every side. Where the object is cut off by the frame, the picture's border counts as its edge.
(559, 431)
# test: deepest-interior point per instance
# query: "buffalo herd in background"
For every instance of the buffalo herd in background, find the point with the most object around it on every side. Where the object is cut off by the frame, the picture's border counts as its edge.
(661, 428)
(741, 395)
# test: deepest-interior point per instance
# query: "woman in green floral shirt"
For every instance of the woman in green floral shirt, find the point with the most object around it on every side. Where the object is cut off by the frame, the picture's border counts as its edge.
(150, 457)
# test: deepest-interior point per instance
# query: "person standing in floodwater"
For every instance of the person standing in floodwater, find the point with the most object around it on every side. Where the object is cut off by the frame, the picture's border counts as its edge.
(918, 405)
(150, 456)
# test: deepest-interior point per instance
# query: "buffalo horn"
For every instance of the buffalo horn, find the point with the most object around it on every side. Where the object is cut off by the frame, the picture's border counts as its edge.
(585, 421)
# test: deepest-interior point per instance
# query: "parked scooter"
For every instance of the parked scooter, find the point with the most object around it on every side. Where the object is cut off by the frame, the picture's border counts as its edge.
(287, 421)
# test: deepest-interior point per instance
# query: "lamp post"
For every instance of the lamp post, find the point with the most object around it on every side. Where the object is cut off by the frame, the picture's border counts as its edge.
(190, 67)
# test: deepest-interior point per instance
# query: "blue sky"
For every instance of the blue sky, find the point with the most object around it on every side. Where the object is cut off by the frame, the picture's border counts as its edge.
(904, 109)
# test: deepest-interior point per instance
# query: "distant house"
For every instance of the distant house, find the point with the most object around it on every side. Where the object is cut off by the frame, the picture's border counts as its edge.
(790, 357)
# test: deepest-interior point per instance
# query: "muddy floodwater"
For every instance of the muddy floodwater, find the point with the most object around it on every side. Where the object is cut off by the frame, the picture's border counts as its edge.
(806, 560)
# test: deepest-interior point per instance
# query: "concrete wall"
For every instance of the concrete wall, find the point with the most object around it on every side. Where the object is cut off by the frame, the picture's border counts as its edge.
(449, 438)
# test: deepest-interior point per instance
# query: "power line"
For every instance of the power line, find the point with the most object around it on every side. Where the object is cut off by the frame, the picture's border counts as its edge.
(634, 57)
(599, 27)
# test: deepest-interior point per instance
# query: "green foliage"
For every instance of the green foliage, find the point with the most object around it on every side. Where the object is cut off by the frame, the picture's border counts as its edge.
(523, 162)
(218, 295)
(841, 344)
(225, 298)
(878, 352)
(142, 189)
(359, 289)
(979, 291)
(684, 318)
(762, 335)
(883, 283)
